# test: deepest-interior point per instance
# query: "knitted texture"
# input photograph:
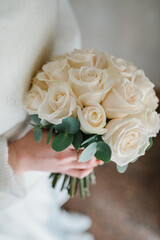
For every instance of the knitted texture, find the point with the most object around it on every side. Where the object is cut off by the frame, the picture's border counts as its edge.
(26, 42)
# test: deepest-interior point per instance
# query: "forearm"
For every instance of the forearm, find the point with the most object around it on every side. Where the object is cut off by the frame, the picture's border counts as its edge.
(12, 159)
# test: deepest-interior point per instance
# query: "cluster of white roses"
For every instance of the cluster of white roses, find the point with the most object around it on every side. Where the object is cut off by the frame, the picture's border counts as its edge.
(93, 87)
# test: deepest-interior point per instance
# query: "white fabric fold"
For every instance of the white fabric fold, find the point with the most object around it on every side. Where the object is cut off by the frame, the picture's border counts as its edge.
(11, 186)
(68, 34)
(28, 29)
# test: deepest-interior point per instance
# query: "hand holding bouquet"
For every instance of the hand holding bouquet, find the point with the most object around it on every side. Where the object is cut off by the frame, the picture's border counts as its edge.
(95, 102)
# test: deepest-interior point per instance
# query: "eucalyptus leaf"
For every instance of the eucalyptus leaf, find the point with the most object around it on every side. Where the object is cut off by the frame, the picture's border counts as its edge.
(36, 119)
(50, 133)
(103, 151)
(122, 169)
(44, 123)
(69, 125)
(89, 140)
(151, 143)
(62, 141)
(37, 132)
(34, 125)
(77, 140)
(88, 152)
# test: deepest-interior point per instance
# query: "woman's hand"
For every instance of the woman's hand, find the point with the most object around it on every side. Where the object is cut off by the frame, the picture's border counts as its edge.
(25, 155)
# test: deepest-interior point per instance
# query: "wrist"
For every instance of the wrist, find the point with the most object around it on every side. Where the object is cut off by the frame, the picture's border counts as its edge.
(13, 159)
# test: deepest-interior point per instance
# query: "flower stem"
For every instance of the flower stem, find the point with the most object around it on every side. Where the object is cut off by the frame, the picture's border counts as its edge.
(72, 186)
(55, 179)
(92, 178)
(66, 177)
(82, 192)
(86, 185)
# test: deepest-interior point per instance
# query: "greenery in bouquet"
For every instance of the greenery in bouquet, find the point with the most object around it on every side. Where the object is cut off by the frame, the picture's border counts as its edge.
(97, 102)
(68, 132)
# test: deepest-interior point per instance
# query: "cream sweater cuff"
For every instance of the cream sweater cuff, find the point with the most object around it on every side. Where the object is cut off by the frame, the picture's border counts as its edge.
(10, 185)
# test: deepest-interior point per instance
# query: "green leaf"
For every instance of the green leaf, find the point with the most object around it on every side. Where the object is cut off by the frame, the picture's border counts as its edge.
(36, 126)
(69, 125)
(151, 143)
(103, 151)
(89, 140)
(122, 169)
(37, 132)
(62, 141)
(36, 119)
(50, 133)
(88, 152)
(77, 140)
(45, 123)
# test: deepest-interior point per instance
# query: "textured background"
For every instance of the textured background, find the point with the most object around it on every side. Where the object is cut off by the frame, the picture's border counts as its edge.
(126, 28)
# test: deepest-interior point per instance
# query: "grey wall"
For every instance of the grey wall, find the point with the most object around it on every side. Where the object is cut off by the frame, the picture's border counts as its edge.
(126, 28)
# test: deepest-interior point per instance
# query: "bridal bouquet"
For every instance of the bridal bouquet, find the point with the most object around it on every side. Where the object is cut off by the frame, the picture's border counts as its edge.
(94, 101)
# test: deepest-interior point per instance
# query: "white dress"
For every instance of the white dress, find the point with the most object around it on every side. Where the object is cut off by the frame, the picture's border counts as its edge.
(31, 31)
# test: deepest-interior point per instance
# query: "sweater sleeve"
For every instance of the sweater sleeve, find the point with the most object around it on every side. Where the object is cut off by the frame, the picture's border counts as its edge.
(39, 22)
(11, 186)
(27, 33)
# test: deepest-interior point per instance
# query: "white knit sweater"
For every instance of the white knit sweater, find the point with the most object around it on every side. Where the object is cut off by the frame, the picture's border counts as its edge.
(26, 41)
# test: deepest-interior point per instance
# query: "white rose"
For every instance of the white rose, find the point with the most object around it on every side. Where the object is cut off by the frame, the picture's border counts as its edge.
(92, 119)
(119, 68)
(54, 71)
(150, 100)
(123, 99)
(59, 57)
(127, 139)
(34, 99)
(146, 87)
(151, 121)
(58, 103)
(89, 83)
(88, 57)
(41, 84)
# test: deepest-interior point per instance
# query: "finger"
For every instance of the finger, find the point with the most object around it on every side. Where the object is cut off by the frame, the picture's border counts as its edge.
(86, 165)
(80, 152)
(67, 157)
(79, 173)
(70, 155)
(100, 162)
(73, 148)
(66, 166)
(82, 165)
